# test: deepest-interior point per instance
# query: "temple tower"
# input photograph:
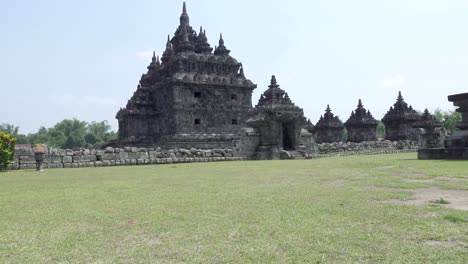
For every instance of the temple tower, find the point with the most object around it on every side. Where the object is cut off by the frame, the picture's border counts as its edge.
(361, 125)
(329, 128)
(279, 122)
(400, 120)
(191, 97)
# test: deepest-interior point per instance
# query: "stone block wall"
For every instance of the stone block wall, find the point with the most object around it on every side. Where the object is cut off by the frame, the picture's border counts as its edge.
(383, 146)
(65, 158)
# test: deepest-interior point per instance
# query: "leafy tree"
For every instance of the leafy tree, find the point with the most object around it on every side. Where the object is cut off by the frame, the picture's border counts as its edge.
(39, 137)
(69, 132)
(7, 149)
(449, 119)
(99, 133)
(10, 129)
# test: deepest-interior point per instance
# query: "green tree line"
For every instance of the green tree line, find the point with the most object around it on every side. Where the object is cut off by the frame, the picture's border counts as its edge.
(69, 133)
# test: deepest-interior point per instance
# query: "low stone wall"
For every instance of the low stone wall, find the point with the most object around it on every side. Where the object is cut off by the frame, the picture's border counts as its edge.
(381, 147)
(65, 158)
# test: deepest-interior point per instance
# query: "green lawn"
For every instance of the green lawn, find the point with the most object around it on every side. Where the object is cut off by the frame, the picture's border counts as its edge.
(329, 210)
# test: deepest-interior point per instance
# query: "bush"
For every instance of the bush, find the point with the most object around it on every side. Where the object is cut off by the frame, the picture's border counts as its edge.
(7, 149)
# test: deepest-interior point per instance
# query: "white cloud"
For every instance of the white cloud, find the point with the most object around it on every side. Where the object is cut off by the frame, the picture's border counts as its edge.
(145, 55)
(396, 81)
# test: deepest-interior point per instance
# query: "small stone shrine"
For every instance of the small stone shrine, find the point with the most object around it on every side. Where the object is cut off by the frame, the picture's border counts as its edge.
(279, 122)
(361, 125)
(432, 134)
(329, 128)
(456, 145)
(400, 120)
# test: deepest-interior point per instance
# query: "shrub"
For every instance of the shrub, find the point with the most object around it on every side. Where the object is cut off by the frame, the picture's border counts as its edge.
(7, 149)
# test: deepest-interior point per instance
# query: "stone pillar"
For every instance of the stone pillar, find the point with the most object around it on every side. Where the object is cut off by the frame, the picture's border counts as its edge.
(457, 144)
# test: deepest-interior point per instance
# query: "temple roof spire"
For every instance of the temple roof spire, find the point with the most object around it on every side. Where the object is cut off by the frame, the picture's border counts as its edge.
(221, 50)
(169, 52)
(202, 45)
(184, 18)
(400, 97)
(185, 44)
(154, 62)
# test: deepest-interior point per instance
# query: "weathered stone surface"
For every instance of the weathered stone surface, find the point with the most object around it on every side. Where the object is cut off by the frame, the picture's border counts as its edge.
(278, 121)
(400, 120)
(456, 145)
(361, 125)
(27, 159)
(329, 128)
(192, 97)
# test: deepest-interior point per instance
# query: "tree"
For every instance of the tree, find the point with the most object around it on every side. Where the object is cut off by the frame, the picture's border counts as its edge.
(7, 149)
(70, 133)
(10, 129)
(39, 137)
(449, 119)
(99, 133)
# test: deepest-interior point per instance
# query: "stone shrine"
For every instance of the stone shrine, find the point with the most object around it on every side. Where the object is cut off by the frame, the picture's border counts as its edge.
(456, 145)
(192, 97)
(432, 134)
(361, 125)
(279, 122)
(329, 128)
(400, 120)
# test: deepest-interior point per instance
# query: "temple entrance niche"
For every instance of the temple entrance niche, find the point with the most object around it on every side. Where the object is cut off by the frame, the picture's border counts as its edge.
(288, 136)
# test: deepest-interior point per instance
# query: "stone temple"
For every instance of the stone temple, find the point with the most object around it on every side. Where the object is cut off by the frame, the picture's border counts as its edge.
(198, 97)
(279, 122)
(361, 125)
(400, 121)
(194, 96)
(329, 128)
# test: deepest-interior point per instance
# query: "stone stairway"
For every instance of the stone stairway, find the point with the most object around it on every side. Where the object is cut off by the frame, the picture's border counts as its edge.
(293, 154)
(297, 155)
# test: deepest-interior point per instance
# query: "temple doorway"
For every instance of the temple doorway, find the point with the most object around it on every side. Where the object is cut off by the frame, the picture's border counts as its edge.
(288, 136)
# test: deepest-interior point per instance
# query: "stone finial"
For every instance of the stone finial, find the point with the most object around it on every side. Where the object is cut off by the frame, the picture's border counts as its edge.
(400, 97)
(360, 104)
(221, 49)
(154, 62)
(221, 40)
(202, 45)
(273, 80)
(169, 52)
(184, 18)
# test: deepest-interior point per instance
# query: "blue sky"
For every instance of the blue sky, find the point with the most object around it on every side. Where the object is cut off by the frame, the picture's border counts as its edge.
(83, 59)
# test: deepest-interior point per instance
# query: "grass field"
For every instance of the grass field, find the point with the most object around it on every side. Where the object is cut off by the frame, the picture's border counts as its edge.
(330, 210)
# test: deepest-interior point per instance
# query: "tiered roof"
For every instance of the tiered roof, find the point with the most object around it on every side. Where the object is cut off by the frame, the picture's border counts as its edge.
(329, 120)
(400, 111)
(361, 117)
(188, 58)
